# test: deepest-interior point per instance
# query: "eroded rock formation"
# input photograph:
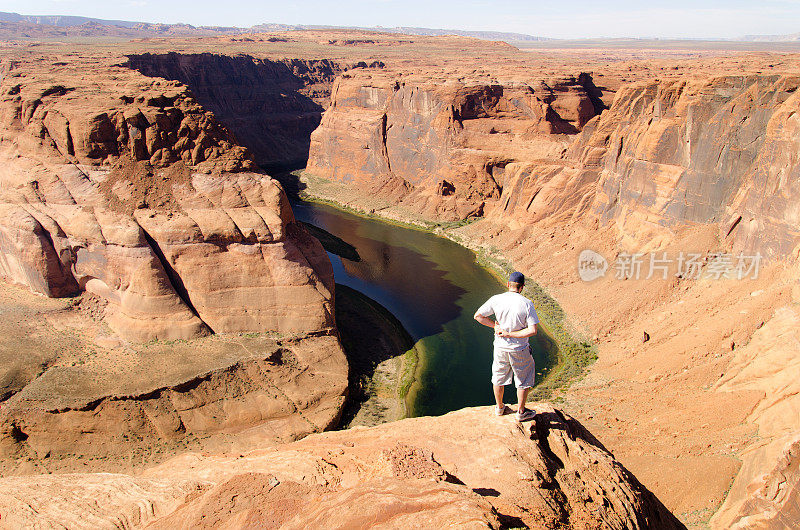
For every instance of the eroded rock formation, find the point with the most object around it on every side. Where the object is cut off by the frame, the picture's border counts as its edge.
(273, 106)
(122, 185)
(125, 189)
(138, 195)
(468, 468)
(442, 149)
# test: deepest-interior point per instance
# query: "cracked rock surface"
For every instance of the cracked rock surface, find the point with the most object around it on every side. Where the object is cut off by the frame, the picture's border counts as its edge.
(468, 468)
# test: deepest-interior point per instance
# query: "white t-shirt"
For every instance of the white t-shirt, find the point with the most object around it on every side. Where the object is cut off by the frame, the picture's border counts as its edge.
(513, 312)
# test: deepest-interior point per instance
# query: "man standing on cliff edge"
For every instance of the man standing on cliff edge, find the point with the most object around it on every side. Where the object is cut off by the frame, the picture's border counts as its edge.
(515, 321)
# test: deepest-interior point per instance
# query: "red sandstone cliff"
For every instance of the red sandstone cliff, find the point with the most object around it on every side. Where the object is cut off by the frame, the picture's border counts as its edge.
(442, 149)
(272, 105)
(124, 188)
(129, 189)
(666, 153)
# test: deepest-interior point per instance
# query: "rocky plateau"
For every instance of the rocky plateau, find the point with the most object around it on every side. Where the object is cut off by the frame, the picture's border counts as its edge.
(467, 469)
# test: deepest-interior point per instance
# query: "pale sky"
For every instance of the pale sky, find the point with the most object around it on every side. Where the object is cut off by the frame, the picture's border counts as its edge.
(565, 19)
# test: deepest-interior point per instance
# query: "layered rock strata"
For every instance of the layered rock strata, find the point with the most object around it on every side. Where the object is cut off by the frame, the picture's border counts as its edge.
(124, 409)
(124, 190)
(442, 149)
(708, 151)
(138, 195)
(665, 153)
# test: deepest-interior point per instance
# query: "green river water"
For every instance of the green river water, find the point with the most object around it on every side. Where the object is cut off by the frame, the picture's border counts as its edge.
(433, 287)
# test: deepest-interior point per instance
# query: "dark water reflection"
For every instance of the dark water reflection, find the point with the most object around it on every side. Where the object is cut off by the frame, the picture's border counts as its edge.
(433, 286)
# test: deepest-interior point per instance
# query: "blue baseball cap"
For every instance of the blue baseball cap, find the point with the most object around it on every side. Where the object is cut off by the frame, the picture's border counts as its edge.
(517, 277)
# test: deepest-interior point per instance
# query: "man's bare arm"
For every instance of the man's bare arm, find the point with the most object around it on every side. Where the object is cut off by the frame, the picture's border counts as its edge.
(486, 321)
(524, 333)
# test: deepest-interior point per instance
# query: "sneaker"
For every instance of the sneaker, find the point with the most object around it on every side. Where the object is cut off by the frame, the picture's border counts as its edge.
(526, 415)
(501, 411)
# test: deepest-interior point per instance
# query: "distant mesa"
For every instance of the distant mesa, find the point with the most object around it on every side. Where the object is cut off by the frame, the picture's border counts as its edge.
(128, 28)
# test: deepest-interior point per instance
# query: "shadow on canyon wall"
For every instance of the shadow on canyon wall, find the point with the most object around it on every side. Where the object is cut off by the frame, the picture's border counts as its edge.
(272, 106)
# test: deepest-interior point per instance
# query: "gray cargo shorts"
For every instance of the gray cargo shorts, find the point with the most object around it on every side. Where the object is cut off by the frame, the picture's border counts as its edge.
(519, 363)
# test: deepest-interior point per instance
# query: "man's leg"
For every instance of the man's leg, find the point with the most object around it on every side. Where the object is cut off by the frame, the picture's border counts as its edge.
(499, 390)
(501, 376)
(522, 398)
(524, 369)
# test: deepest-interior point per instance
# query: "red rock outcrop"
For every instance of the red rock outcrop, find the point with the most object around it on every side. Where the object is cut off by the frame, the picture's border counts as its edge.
(273, 105)
(766, 493)
(127, 188)
(468, 468)
(126, 410)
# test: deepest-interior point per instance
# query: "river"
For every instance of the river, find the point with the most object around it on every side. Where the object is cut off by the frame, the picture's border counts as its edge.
(433, 287)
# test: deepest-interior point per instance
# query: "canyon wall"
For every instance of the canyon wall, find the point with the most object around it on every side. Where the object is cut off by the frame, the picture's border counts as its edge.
(666, 153)
(442, 149)
(272, 105)
(123, 190)
(710, 151)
